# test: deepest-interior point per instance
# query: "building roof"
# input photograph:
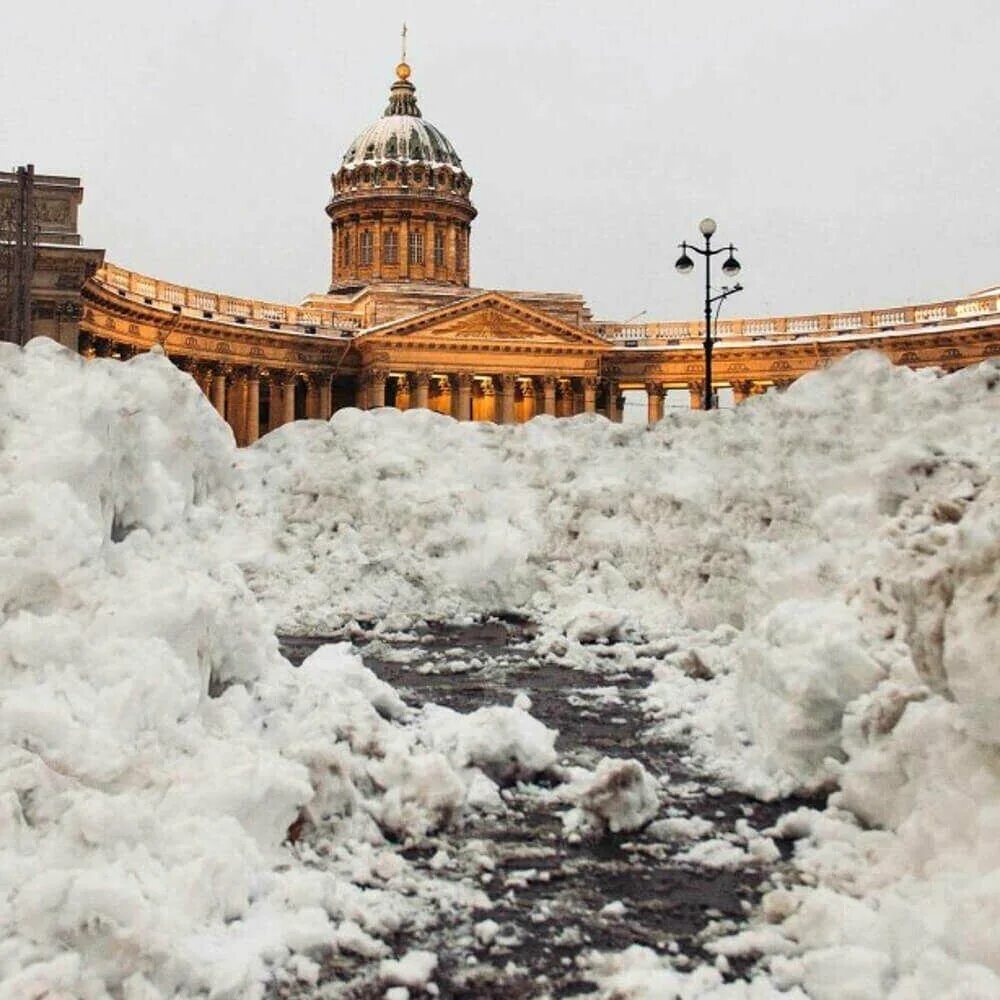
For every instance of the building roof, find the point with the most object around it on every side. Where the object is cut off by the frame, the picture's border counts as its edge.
(401, 135)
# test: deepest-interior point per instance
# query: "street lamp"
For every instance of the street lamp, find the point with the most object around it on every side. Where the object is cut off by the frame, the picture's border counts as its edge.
(731, 268)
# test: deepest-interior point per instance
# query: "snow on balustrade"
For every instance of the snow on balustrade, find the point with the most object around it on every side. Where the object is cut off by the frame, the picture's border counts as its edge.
(930, 314)
(851, 322)
(976, 308)
(889, 318)
(175, 294)
(803, 324)
(234, 307)
(758, 327)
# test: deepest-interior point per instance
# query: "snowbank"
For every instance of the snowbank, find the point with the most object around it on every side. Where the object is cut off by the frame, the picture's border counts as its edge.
(813, 576)
(828, 555)
(155, 749)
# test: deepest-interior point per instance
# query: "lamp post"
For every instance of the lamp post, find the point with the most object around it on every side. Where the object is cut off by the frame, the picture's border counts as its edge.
(731, 268)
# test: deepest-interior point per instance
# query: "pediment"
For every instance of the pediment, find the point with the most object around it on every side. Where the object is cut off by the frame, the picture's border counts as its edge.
(487, 319)
(490, 323)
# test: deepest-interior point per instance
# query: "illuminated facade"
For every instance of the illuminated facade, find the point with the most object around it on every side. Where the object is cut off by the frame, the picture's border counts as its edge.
(400, 325)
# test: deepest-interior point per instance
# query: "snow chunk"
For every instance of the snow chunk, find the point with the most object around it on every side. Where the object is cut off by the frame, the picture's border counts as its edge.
(619, 796)
(414, 969)
(507, 743)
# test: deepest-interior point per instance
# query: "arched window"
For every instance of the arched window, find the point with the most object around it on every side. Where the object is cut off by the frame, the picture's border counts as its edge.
(390, 174)
(390, 247)
(439, 248)
(416, 247)
(346, 250)
(365, 247)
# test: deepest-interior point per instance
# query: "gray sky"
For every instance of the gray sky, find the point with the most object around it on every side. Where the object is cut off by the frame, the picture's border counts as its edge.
(850, 149)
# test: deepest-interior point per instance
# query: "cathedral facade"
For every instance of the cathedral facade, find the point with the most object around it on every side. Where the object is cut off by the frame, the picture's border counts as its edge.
(399, 324)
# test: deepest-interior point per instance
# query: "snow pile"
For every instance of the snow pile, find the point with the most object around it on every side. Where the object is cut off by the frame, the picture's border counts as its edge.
(155, 749)
(507, 744)
(640, 974)
(828, 557)
(620, 796)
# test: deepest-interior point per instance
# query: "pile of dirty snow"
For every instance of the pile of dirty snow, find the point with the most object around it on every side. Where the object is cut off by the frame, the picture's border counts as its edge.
(826, 563)
(156, 751)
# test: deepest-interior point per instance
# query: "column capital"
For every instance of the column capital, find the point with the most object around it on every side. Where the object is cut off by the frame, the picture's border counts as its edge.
(376, 376)
(507, 381)
(655, 388)
(461, 380)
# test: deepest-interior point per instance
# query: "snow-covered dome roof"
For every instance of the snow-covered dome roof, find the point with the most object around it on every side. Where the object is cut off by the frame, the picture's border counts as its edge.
(401, 135)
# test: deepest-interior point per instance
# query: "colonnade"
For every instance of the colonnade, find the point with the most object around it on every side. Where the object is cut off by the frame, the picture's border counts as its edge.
(504, 399)
(742, 390)
(252, 399)
(256, 399)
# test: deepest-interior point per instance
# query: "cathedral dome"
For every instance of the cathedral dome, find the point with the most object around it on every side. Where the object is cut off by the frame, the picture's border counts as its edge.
(400, 209)
(401, 135)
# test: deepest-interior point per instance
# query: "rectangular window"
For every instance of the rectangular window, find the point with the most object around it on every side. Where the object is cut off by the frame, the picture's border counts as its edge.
(346, 252)
(365, 248)
(416, 247)
(390, 247)
(438, 248)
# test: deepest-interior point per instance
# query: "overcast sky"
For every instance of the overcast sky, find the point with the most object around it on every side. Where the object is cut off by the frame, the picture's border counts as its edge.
(850, 149)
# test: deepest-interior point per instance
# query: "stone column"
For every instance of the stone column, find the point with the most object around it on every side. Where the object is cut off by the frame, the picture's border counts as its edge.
(589, 394)
(312, 396)
(577, 390)
(508, 385)
(430, 270)
(361, 392)
(740, 391)
(376, 388)
(252, 424)
(236, 407)
(614, 402)
(440, 395)
(484, 400)
(288, 399)
(421, 386)
(276, 411)
(451, 252)
(377, 248)
(697, 395)
(654, 402)
(325, 397)
(403, 392)
(461, 394)
(549, 395)
(526, 408)
(404, 247)
(219, 390)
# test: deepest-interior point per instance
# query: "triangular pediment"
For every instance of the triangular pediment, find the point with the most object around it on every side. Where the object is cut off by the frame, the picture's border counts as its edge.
(488, 318)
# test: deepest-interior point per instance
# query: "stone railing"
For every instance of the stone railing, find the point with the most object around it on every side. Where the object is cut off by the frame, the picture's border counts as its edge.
(210, 305)
(793, 327)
